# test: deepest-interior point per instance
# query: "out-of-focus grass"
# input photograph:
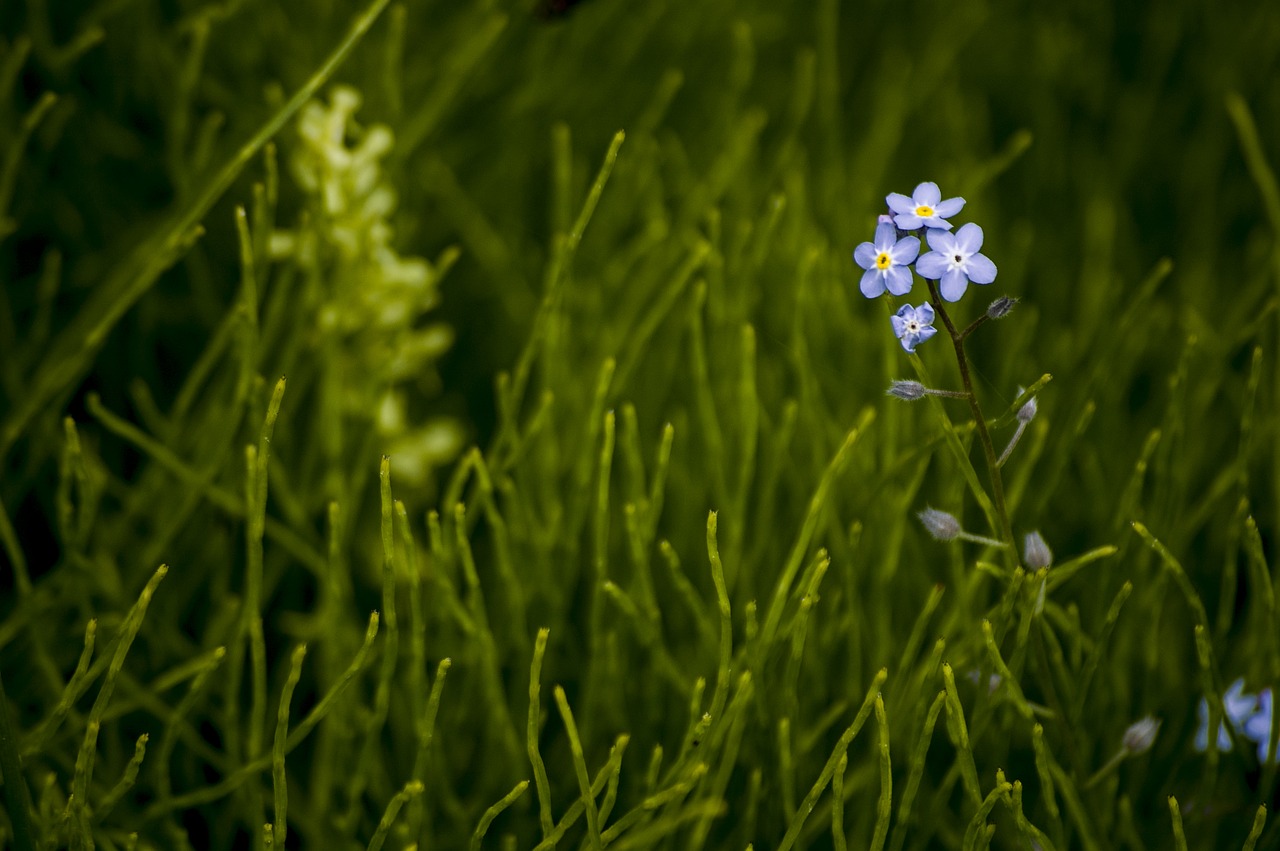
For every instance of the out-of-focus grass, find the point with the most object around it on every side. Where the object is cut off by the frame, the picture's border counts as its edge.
(675, 595)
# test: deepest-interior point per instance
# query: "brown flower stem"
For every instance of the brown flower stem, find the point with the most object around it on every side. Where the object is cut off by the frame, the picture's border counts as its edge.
(1005, 531)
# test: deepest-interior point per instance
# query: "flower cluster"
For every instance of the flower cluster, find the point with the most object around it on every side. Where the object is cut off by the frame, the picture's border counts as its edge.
(1249, 714)
(954, 262)
(372, 303)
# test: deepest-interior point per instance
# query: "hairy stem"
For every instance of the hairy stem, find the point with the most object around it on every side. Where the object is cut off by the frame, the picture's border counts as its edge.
(1005, 532)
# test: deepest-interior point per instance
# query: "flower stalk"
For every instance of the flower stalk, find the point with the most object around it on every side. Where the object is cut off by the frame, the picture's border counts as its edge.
(1005, 530)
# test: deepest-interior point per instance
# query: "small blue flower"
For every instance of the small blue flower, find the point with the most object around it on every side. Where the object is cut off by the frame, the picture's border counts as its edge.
(925, 208)
(1239, 706)
(913, 325)
(955, 261)
(1258, 728)
(886, 262)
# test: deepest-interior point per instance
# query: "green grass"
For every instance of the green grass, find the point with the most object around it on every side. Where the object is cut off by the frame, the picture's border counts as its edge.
(424, 424)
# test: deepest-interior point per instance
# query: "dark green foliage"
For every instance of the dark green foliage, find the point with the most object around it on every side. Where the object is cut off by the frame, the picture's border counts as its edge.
(581, 475)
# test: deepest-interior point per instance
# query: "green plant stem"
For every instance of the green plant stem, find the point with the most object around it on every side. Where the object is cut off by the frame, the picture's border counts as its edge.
(1005, 532)
(17, 798)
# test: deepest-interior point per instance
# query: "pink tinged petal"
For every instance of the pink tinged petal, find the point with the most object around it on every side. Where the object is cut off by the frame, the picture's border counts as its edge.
(980, 269)
(908, 221)
(927, 194)
(865, 255)
(932, 265)
(886, 236)
(872, 283)
(906, 250)
(925, 313)
(899, 203)
(898, 280)
(953, 285)
(949, 207)
(941, 241)
(969, 238)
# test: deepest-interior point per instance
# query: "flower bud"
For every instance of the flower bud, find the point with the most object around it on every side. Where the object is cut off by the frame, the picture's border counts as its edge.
(1035, 552)
(1141, 735)
(941, 525)
(908, 391)
(1002, 307)
(1027, 412)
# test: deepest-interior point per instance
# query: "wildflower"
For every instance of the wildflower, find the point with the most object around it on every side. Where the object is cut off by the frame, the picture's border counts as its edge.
(1239, 706)
(913, 325)
(941, 525)
(955, 261)
(910, 391)
(1025, 414)
(993, 680)
(945, 527)
(1002, 307)
(925, 208)
(886, 261)
(1035, 552)
(1258, 727)
(1141, 735)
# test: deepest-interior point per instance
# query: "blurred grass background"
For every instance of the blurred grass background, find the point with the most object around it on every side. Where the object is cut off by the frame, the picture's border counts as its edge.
(688, 340)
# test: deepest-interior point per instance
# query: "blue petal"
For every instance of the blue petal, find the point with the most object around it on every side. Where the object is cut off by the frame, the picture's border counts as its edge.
(1238, 704)
(898, 280)
(899, 203)
(872, 283)
(886, 236)
(953, 285)
(969, 238)
(908, 221)
(924, 313)
(932, 265)
(980, 269)
(865, 255)
(941, 240)
(949, 207)
(927, 194)
(906, 250)
(899, 325)
(925, 333)
(906, 312)
(936, 222)
(909, 342)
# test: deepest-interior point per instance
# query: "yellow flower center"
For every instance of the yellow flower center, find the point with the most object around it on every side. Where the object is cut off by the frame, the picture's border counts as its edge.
(924, 211)
(883, 261)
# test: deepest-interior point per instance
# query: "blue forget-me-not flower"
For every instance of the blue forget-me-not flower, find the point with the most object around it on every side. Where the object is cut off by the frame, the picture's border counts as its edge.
(1240, 707)
(1258, 728)
(913, 325)
(925, 208)
(955, 261)
(886, 261)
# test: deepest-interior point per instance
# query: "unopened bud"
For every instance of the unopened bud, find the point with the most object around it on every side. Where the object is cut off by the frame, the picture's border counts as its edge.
(884, 219)
(1027, 412)
(941, 525)
(1035, 552)
(1002, 307)
(908, 391)
(1141, 735)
